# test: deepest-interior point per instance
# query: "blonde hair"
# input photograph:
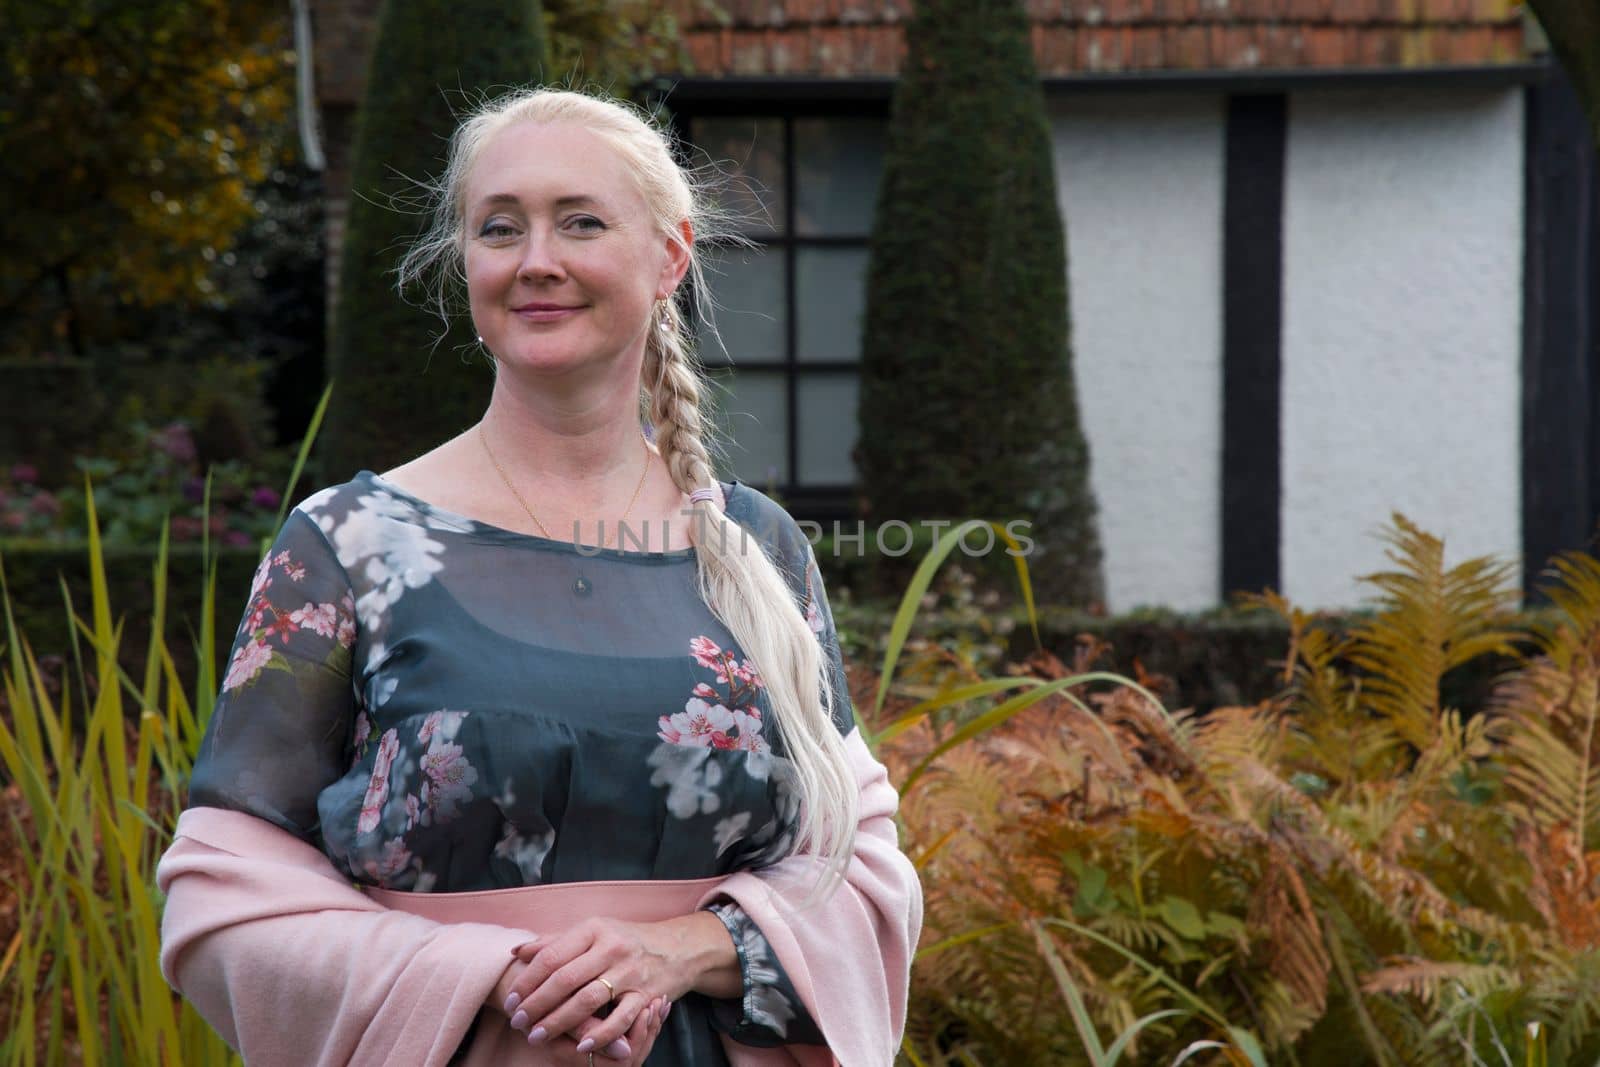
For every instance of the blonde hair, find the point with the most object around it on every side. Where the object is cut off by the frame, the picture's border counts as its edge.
(743, 589)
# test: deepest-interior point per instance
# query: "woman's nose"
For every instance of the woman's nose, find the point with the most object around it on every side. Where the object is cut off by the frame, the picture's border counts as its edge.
(540, 258)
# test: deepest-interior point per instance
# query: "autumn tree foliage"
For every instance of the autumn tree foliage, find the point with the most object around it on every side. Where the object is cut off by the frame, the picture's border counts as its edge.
(617, 44)
(132, 138)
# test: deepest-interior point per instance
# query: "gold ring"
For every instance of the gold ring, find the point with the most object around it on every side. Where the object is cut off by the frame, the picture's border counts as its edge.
(611, 992)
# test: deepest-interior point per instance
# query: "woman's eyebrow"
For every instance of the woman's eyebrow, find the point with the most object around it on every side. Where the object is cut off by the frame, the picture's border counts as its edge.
(576, 200)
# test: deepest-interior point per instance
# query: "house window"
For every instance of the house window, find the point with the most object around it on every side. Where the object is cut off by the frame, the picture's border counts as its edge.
(789, 309)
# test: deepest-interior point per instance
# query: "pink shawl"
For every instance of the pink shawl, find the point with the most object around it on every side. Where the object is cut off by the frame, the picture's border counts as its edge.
(294, 966)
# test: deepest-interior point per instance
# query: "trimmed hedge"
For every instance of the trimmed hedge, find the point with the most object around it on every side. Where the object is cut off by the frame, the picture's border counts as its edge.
(398, 393)
(35, 575)
(1213, 659)
(967, 399)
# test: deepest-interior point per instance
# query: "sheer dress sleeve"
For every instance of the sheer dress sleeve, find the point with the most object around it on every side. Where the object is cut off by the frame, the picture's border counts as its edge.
(770, 1012)
(280, 730)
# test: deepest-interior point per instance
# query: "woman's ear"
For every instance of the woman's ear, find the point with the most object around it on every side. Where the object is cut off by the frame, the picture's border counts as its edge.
(677, 263)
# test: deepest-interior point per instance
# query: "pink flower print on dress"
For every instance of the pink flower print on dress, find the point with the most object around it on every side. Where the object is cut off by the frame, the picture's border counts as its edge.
(318, 618)
(378, 785)
(698, 725)
(748, 720)
(347, 620)
(280, 627)
(745, 671)
(413, 811)
(262, 579)
(395, 858)
(704, 691)
(247, 663)
(450, 775)
(431, 725)
(363, 730)
(749, 723)
(707, 653)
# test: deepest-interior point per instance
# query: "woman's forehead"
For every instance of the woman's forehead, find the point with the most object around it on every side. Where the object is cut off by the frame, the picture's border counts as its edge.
(539, 164)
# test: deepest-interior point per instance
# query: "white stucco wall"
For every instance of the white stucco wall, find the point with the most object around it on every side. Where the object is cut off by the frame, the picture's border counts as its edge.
(1401, 332)
(1141, 179)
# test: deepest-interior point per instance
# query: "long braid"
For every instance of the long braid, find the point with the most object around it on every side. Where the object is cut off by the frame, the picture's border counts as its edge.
(742, 588)
(675, 404)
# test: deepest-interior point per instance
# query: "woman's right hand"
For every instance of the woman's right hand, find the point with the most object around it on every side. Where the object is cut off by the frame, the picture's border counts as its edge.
(629, 1051)
(640, 1039)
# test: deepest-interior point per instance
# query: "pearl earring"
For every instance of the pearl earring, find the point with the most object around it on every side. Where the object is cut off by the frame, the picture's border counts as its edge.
(666, 316)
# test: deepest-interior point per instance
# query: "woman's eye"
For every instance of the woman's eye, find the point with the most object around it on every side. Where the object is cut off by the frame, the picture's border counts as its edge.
(586, 224)
(496, 229)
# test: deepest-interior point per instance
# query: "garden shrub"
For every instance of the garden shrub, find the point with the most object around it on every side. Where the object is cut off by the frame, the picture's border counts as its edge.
(967, 401)
(38, 576)
(398, 392)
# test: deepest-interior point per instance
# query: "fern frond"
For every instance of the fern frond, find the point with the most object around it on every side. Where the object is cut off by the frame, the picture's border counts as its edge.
(1296, 954)
(1550, 727)
(1431, 980)
(1429, 621)
(1576, 590)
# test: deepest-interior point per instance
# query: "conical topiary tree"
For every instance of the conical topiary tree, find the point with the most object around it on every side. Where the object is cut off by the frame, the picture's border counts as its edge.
(967, 404)
(395, 393)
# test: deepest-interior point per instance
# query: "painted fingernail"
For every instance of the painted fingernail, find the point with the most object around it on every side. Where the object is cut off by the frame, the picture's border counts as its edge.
(669, 1009)
(519, 1021)
(518, 948)
(512, 1001)
(586, 1045)
(537, 1034)
(618, 1049)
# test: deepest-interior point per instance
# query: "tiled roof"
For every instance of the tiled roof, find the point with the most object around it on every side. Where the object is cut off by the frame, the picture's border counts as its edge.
(856, 38)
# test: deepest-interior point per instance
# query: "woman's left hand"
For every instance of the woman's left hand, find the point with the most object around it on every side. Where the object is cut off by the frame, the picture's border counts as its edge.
(560, 990)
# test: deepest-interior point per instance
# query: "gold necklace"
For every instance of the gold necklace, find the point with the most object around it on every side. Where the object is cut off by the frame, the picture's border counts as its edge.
(504, 478)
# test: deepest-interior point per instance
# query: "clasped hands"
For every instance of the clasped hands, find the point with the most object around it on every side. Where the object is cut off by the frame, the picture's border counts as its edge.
(556, 986)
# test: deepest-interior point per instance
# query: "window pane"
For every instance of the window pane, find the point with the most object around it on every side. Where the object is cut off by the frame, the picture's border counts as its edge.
(750, 152)
(751, 313)
(827, 413)
(837, 163)
(830, 295)
(751, 412)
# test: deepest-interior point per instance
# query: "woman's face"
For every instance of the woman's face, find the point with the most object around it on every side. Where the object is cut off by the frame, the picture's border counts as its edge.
(563, 261)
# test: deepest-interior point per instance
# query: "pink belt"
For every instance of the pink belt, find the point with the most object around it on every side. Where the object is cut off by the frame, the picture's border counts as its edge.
(550, 909)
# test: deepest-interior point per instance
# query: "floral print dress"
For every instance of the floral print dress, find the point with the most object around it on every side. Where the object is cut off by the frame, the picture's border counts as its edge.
(443, 705)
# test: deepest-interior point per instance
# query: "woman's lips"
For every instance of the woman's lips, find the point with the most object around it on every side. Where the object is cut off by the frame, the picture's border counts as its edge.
(545, 313)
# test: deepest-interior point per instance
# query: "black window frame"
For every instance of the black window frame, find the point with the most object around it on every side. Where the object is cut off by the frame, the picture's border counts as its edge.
(820, 502)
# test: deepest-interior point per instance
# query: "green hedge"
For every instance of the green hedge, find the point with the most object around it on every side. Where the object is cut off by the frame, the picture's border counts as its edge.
(1214, 658)
(35, 575)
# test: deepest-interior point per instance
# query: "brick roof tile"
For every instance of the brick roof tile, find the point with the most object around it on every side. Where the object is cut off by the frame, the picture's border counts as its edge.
(844, 38)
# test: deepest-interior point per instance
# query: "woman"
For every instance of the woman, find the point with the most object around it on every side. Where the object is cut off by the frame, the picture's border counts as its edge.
(445, 726)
